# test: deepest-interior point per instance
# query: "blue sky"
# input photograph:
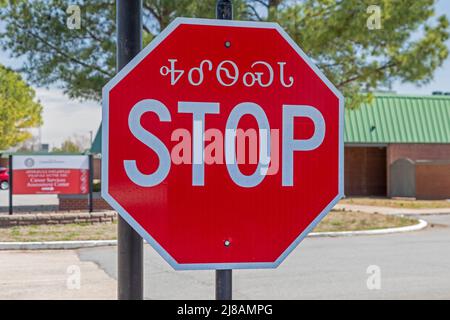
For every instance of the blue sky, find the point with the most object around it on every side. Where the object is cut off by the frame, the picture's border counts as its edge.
(64, 118)
(441, 81)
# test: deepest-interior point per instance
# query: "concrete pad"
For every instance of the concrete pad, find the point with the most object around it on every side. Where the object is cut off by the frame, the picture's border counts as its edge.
(52, 275)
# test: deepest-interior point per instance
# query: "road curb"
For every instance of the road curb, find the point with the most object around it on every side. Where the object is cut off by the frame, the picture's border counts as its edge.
(64, 245)
(56, 245)
(419, 226)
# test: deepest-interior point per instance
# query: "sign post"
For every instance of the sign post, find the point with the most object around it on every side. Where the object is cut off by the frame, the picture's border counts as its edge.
(91, 183)
(224, 278)
(130, 245)
(10, 190)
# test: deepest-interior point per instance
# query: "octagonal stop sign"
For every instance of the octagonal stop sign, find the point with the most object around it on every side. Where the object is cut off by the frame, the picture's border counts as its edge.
(222, 144)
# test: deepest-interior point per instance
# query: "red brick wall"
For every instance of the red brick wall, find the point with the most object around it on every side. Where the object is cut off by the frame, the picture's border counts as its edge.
(433, 180)
(416, 151)
(7, 221)
(75, 203)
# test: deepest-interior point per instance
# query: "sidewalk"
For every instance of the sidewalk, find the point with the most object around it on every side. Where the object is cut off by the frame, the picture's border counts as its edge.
(52, 275)
(391, 211)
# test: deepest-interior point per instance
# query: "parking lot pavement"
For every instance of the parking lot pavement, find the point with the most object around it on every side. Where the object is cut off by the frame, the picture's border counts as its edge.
(52, 275)
(410, 265)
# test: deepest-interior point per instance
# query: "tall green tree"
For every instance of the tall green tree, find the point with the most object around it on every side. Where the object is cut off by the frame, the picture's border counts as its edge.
(74, 144)
(19, 109)
(69, 146)
(409, 47)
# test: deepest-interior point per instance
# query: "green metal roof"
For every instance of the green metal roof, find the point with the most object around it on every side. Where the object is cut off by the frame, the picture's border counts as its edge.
(389, 118)
(400, 119)
(97, 143)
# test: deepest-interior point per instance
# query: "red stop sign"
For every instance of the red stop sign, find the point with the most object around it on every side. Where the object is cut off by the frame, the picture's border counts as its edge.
(222, 144)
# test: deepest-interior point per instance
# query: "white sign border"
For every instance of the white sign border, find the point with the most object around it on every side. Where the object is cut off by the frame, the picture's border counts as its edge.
(105, 148)
(70, 161)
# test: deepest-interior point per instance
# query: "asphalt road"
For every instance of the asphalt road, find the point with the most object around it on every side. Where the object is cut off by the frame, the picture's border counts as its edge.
(411, 266)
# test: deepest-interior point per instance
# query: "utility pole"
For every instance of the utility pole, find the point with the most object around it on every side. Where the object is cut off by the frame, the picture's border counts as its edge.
(130, 244)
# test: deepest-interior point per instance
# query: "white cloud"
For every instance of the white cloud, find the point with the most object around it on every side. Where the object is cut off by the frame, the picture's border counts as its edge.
(64, 118)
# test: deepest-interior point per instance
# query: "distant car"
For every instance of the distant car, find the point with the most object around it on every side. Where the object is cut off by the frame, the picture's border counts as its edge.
(4, 178)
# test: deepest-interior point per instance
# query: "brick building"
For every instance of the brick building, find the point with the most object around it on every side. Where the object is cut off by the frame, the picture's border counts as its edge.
(378, 135)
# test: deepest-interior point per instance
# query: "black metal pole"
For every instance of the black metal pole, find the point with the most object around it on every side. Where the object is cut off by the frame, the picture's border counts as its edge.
(10, 182)
(224, 278)
(91, 183)
(130, 245)
(224, 284)
(224, 10)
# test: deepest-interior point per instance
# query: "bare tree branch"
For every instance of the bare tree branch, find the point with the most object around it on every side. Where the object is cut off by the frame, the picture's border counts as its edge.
(356, 77)
(154, 13)
(255, 12)
(264, 3)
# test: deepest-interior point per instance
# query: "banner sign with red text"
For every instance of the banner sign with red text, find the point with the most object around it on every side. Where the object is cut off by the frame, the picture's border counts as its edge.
(50, 174)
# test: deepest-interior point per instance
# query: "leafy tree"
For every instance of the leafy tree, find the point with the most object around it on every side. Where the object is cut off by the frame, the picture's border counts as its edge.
(75, 144)
(334, 32)
(30, 145)
(69, 146)
(18, 109)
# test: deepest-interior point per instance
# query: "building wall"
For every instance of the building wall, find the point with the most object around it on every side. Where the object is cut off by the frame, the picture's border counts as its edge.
(416, 151)
(365, 171)
(433, 180)
(80, 202)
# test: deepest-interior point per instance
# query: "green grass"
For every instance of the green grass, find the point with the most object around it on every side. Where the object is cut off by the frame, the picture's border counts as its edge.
(353, 221)
(335, 221)
(398, 203)
(68, 232)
